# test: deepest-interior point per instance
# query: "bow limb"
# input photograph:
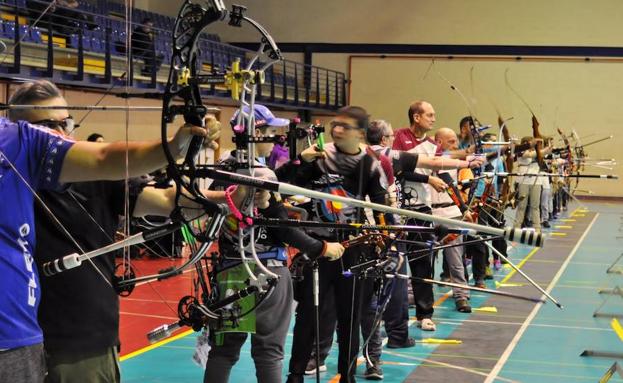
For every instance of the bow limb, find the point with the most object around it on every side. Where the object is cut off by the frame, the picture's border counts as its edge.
(458, 91)
(508, 84)
(506, 191)
(183, 84)
(535, 125)
(509, 162)
(475, 133)
(569, 153)
(539, 141)
(243, 85)
(580, 154)
(535, 122)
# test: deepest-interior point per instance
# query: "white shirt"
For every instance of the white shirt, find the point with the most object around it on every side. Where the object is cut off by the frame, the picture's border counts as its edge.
(443, 198)
(528, 165)
(421, 192)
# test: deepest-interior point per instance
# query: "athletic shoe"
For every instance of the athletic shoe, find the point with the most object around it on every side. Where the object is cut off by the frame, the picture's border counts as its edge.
(373, 372)
(462, 306)
(311, 367)
(410, 342)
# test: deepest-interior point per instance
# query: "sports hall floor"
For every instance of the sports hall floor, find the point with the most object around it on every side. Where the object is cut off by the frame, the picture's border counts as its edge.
(505, 340)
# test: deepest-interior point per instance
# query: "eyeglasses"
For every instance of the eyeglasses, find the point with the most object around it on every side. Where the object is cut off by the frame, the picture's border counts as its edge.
(68, 125)
(343, 125)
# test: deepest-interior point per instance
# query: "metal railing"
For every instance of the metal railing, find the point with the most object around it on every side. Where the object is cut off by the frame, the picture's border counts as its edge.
(85, 47)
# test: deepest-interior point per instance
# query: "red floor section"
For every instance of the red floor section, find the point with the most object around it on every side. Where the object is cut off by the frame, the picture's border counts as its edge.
(151, 304)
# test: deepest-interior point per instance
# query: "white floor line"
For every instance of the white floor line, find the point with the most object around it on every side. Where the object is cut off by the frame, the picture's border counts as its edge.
(148, 315)
(492, 376)
(447, 365)
(531, 325)
(150, 300)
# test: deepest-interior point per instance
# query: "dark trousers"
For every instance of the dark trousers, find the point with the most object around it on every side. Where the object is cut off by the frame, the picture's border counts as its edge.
(370, 329)
(396, 314)
(347, 294)
(479, 255)
(495, 218)
(23, 365)
(76, 366)
(422, 267)
(557, 205)
(327, 328)
(368, 321)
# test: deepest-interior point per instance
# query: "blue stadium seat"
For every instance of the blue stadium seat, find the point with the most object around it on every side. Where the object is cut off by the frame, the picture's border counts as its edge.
(73, 41)
(8, 29)
(86, 42)
(23, 31)
(35, 35)
(97, 44)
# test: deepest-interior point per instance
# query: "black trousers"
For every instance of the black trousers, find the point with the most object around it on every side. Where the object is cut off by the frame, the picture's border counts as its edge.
(327, 328)
(422, 267)
(396, 315)
(495, 218)
(370, 327)
(557, 204)
(368, 316)
(479, 253)
(347, 293)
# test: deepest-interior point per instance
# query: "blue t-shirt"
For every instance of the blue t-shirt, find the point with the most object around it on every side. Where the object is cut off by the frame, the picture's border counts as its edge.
(37, 154)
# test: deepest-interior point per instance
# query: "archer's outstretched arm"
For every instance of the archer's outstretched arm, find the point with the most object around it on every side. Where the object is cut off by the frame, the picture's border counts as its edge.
(89, 161)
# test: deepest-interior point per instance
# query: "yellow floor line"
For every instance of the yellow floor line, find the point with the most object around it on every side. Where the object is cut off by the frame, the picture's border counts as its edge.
(616, 326)
(155, 345)
(440, 341)
(563, 226)
(567, 220)
(486, 309)
(510, 275)
(557, 234)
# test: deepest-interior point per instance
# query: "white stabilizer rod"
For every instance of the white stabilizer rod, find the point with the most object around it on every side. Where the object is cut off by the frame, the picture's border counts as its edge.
(527, 237)
(74, 260)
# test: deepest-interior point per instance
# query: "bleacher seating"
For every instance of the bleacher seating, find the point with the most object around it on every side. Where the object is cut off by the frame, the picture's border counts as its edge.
(212, 54)
(8, 29)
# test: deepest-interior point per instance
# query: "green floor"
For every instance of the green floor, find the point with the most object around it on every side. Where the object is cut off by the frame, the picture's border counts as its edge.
(548, 351)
